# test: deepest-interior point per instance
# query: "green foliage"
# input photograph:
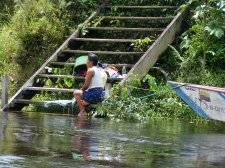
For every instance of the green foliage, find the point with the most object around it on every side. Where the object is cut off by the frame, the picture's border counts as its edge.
(162, 102)
(141, 44)
(97, 21)
(42, 26)
(36, 29)
(167, 104)
(83, 29)
(63, 82)
(215, 28)
(125, 109)
(209, 78)
(121, 105)
(32, 30)
(59, 82)
(201, 51)
(186, 5)
(119, 92)
(151, 82)
(7, 9)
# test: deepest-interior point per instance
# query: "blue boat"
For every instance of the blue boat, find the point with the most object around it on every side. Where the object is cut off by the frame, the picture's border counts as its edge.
(208, 102)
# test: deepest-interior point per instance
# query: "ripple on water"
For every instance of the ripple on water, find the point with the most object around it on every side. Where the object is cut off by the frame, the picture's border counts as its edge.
(7, 161)
(56, 141)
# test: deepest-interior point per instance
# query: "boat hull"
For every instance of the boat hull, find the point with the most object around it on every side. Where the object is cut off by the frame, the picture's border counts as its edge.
(208, 102)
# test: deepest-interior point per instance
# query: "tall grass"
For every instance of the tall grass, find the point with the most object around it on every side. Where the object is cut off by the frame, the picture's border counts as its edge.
(35, 30)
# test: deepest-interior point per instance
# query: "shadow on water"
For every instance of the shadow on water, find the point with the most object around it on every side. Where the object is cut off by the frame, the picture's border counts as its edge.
(45, 140)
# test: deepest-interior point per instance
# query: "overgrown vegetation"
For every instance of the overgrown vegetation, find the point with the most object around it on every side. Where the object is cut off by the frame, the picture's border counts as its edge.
(202, 46)
(197, 58)
(31, 30)
(35, 30)
(146, 100)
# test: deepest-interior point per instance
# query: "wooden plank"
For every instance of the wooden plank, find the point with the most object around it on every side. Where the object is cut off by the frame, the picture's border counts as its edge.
(72, 64)
(143, 7)
(5, 85)
(105, 40)
(103, 52)
(71, 77)
(120, 65)
(142, 67)
(48, 89)
(59, 76)
(24, 101)
(126, 29)
(136, 18)
(27, 102)
(62, 63)
(53, 57)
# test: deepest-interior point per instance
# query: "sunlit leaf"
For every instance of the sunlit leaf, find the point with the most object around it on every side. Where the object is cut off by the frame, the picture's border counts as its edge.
(185, 43)
(215, 28)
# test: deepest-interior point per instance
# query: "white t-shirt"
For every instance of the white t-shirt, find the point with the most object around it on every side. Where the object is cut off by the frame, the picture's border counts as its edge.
(99, 79)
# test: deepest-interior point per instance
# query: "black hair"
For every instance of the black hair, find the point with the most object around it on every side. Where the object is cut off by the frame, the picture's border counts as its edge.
(93, 58)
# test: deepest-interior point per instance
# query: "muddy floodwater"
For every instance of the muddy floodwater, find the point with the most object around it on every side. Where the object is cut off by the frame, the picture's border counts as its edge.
(46, 141)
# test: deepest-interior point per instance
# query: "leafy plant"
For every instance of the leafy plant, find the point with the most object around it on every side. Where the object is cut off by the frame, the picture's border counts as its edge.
(141, 44)
(34, 31)
(122, 105)
(83, 29)
(201, 43)
(7, 9)
(161, 101)
(215, 28)
(60, 82)
(151, 82)
(117, 23)
(97, 21)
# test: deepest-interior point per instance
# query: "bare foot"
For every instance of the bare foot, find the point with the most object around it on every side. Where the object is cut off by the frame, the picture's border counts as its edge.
(84, 103)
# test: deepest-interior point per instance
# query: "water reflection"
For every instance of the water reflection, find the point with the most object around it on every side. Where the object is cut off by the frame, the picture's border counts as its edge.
(44, 140)
(88, 144)
(81, 150)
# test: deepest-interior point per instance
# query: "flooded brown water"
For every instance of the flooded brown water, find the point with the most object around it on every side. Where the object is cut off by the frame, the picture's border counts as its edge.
(38, 140)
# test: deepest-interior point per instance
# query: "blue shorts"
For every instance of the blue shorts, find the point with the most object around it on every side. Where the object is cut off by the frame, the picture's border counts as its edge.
(93, 96)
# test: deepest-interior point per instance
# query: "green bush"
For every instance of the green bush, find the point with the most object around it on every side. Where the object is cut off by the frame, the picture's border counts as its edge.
(36, 29)
(167, 104)
(30, 31)
(161, 102)
(198, 57)
(7, 9)
(202, 47)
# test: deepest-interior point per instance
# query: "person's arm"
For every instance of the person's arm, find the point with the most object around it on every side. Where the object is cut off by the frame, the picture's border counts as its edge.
(89, 76)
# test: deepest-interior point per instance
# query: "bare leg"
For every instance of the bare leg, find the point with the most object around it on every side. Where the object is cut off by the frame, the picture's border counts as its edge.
(84, 103)
(78, 94)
